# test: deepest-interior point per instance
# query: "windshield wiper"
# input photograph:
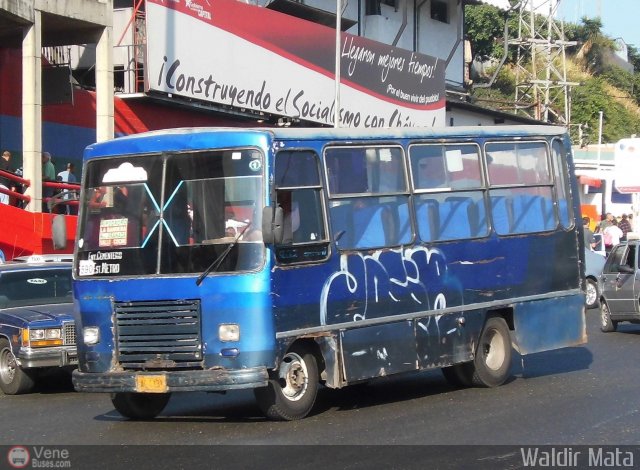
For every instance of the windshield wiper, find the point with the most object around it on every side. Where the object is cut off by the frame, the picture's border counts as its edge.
(218, 261)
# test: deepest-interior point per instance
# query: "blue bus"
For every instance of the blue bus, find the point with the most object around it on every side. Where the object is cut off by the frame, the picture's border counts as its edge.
(283, 259)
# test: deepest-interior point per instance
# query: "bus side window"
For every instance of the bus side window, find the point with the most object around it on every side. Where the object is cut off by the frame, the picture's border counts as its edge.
(565, 212)
(302, 220)
(298, 192)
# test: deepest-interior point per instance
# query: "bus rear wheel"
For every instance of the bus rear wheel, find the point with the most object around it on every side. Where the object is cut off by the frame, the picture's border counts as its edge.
(291, 392)
(492, 363)
(140, 405)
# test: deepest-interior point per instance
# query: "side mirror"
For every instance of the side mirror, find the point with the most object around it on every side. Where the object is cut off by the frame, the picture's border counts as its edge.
(59, 232)
(272, 225)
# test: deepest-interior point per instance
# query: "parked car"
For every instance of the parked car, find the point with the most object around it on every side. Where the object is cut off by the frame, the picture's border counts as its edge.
(37, 329)
(594, 263)
(620, 282)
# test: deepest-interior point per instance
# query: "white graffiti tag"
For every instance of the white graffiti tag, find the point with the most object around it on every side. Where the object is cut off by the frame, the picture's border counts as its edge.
(404, 278)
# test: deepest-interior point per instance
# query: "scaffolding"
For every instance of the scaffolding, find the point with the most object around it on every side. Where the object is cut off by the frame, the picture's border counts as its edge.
(542, 89)
(130, 47)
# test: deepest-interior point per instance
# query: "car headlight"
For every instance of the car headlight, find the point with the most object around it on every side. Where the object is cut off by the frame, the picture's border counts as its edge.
(40, 337)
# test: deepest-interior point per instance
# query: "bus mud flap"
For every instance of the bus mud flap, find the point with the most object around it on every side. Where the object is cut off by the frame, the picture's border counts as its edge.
(548, 324)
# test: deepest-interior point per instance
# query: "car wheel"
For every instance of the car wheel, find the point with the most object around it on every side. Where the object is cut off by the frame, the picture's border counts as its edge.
(592, 296)
(140, 405)
(13, 380)
(492, 363)
(292, 390)
(606, 323)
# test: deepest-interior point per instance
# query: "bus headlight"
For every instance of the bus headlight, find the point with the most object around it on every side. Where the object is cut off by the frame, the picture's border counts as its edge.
(91, 335)
(229, 332)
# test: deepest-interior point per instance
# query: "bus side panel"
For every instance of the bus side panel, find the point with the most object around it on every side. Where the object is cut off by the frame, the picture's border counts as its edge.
(443, 340)
(377, 351)
(549, 324)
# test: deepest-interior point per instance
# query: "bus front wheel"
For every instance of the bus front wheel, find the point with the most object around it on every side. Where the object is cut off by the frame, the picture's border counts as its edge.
(140, 405)
(292, 389)
(492, 363)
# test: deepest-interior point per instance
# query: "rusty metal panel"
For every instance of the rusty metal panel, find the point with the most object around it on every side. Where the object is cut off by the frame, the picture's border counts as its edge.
(380, 350)
(443, 340)
(549, 324)
(329, 348)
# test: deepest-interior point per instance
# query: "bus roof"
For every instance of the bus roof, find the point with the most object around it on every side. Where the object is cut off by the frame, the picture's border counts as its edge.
(174, 138)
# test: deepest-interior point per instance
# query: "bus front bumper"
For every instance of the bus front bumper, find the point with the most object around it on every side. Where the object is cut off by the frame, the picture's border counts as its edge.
(213, 380)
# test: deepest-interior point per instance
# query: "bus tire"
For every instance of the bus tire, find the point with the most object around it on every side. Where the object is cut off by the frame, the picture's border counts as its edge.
(13, 379)
(292, 389)
(139, 405)
(492, 363)
(458, 375)
(607, 325)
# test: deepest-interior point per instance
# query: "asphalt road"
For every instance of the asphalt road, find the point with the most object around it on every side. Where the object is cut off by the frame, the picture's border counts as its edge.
(576, 396)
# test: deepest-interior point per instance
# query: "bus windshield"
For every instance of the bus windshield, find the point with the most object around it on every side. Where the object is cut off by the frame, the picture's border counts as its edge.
(172, 213)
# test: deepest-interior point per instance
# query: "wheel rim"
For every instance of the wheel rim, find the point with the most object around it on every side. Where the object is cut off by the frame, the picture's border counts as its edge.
(494, 350)
(294, 377)
(7, 366)
(591, 293)
(604, 310)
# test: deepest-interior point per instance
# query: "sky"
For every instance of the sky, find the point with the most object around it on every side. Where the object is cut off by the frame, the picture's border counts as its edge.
(620, 18)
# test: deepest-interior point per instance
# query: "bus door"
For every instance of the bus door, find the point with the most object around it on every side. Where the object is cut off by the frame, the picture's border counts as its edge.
(300, 271)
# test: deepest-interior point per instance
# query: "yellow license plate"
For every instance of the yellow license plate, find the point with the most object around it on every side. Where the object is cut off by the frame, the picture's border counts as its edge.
(151, 383)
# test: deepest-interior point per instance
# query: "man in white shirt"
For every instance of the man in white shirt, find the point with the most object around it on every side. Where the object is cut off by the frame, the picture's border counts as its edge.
(67, 176)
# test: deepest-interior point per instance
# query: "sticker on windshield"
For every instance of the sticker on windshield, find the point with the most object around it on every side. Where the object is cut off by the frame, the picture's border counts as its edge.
(98, 263)
(113, 232)
(37, 280)
(255, 165)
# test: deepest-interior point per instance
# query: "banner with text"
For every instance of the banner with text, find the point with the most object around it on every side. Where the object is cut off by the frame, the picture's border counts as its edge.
(244, 56)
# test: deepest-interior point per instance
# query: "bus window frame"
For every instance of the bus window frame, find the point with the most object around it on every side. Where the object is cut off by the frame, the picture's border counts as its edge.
(292, 247)
(518, 185)
(418, 194)
(405, 193)
(365, 145)
(562, 165)
(483, 176)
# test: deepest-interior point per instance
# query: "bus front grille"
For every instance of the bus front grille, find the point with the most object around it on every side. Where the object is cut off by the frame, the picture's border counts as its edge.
(159, 334)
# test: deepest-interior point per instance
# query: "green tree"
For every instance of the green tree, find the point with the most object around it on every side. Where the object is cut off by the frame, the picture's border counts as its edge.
(634, 57)
(592, 97)
(595, 44)
(484, 27)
